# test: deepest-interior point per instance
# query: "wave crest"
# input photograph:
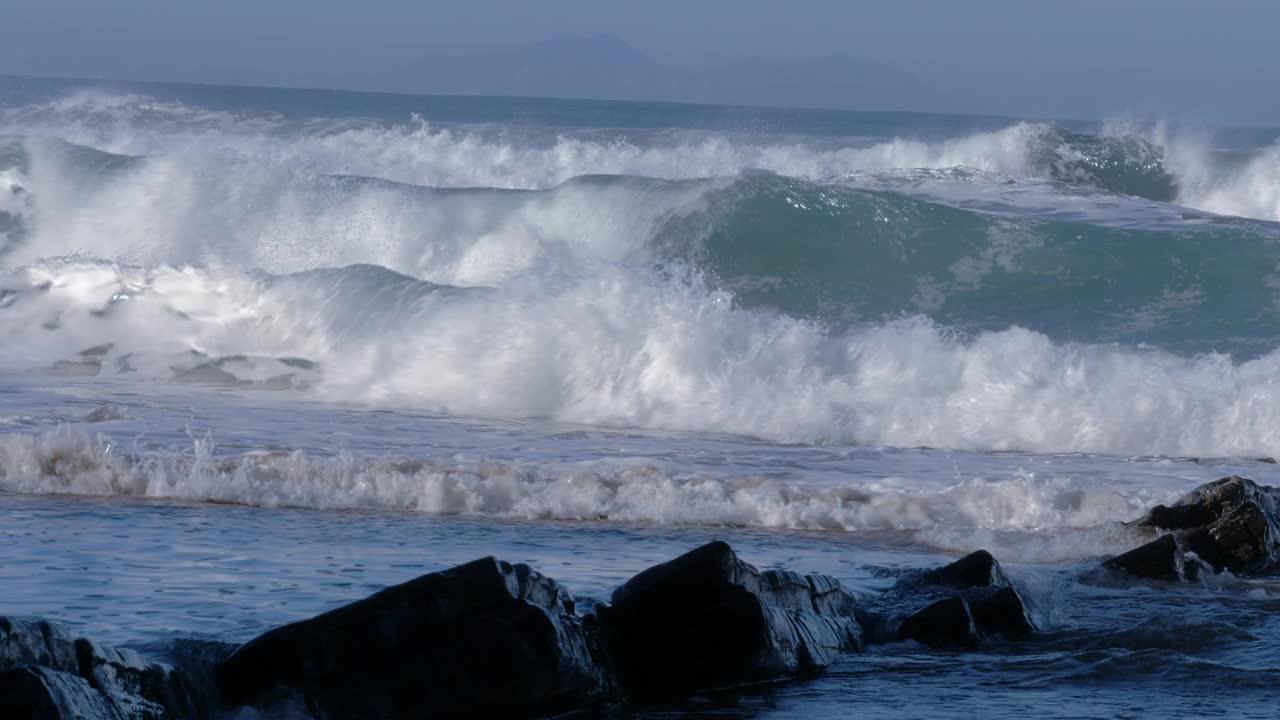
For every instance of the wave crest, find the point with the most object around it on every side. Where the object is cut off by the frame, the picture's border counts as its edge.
(66, 461)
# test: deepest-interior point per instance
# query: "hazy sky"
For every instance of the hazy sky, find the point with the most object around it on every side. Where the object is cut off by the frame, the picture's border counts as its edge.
(1040, 53)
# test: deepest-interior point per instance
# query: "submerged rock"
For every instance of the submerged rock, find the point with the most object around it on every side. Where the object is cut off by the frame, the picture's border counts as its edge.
(484, 639)
(1232, 524)
(46, 673)
(707, 619)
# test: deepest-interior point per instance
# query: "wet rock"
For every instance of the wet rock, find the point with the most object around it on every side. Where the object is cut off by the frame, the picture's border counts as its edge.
(1232, 524)
(977, 569)
(49, 674)
(484, 639)
(988, 605)
(1160, 559)
(999, 611)
(35, 692)
(944, 624)
(707, 619)
(197, 660)
(116, 671)
(37, 643)
(963, 621)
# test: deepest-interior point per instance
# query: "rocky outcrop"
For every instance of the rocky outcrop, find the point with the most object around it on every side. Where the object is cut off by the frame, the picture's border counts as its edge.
(490, 639)
(47, 673)
(707, 619)
(977, 569)
(36, 692)
(987, 606)
(484, 639)
(1232, 524)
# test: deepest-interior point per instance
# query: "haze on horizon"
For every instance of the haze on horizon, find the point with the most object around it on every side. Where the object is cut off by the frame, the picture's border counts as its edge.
(1213, 62)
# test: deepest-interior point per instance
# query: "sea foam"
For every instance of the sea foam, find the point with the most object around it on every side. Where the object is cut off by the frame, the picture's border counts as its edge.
(67, 461)
(180, 240)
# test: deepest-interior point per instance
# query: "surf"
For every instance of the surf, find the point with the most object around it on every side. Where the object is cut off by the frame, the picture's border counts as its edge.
(1026, 288)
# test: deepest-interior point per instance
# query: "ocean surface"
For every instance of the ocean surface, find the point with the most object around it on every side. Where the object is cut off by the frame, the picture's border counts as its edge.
(264, 352)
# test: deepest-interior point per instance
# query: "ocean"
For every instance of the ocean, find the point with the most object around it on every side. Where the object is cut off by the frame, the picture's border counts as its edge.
(264, 352)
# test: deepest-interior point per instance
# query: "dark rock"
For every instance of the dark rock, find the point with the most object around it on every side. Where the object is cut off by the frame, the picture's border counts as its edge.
(707, 619)
(999, 611)
(944, 624)
(115, 671)
(42, 658)
(962, 621)
(1160, 559)
(35, 692)
(37, 643)
(1232, 524)
(196, 660)
(989, 605)
(484, 639)
(878, 626)
(977, 569)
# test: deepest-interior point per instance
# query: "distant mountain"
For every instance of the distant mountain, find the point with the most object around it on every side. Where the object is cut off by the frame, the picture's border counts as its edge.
(603, 67)
(830, 82)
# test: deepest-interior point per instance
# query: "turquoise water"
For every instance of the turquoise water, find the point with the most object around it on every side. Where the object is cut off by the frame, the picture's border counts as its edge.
(266, 351)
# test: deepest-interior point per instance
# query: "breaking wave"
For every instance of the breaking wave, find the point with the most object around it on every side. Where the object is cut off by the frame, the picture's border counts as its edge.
(1027, 288)
(66, 461)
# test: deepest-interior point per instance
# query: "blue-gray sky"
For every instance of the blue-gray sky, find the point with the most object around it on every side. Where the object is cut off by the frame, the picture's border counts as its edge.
(1219, 59)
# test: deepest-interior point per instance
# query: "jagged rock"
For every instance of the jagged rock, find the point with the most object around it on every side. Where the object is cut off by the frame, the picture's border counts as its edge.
(977, 569)
(42, 660)
(484, 639)
(37, 643)
(989, 605)
(707, 619)
(114, 670)
(36, 692)
(963, 620)
(1229, 524)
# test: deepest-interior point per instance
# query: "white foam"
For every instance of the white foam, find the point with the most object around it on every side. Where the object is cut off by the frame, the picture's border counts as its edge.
(418, 153)
(69, 462)
(582, 327)
(1206, 180)
(15, 209)
(633, 349)
(273, 215)
(1251, 191)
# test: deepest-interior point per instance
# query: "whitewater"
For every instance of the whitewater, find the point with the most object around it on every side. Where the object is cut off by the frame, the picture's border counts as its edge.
(328, 335)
